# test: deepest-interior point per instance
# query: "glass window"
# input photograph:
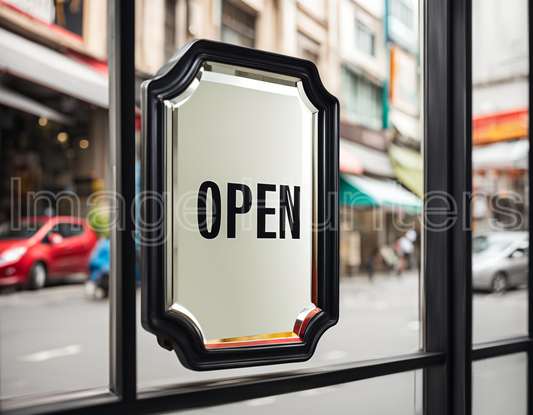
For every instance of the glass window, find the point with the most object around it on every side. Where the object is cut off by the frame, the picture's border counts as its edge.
(362, 100)
(170, 28)
(54, 334)
(69, 15)
(308, 48)
(23, 230)
(500, 202)
(499, 385)
(76, 230)
(365, 38)
(402, 12)
(238, 26)
(380, 216)
(64, 230)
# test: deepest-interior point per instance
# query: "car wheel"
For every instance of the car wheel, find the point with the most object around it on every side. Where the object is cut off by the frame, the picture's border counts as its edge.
(499, 283)
(37, 277)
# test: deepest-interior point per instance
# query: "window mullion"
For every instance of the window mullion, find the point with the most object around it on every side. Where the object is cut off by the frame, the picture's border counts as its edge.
(530, 276)
(122, 167)
(448, 142)
(461, 187)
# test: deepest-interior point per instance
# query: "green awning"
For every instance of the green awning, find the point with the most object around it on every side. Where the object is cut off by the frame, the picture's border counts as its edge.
(407, 165)
(362, 191)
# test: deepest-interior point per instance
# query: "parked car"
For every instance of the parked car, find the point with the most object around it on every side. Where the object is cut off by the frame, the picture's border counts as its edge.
(500, 260)
(43, 249)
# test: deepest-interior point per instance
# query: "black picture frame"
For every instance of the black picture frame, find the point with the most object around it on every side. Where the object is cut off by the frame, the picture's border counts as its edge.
(174, 331)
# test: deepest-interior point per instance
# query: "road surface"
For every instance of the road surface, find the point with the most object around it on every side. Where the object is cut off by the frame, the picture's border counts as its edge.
(57, 339)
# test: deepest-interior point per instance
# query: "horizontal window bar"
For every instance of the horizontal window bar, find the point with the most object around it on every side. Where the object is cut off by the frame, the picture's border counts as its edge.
(226, 391)
(501, 348)
(233, 390)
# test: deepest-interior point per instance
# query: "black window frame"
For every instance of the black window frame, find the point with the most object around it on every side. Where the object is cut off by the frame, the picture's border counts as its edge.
(446, 295)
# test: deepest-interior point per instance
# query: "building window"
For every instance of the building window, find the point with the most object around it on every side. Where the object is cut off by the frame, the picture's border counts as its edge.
(362, 100)
(402, 12)
(69, 15)
(365, 38)
(308, 48)
(238, 26)
(170, 28)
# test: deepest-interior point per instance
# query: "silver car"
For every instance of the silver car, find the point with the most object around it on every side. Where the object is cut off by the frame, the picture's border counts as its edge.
(500, 260)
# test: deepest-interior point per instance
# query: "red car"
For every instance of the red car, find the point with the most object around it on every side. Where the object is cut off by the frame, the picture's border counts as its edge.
(44, 249)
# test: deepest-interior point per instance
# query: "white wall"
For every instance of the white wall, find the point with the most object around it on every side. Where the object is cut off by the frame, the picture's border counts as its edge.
(500, 40)
(499, 97)
(375, 8)
(375, 66)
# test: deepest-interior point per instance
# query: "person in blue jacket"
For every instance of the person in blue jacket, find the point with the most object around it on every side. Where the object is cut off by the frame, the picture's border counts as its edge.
(99, 269)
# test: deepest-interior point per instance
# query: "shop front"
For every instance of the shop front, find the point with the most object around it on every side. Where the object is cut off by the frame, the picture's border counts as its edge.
(374, 215)
(500, 171)
(54, 147)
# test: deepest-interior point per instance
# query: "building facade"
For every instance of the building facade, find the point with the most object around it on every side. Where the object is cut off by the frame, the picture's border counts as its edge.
(366, 53)
(54, 100)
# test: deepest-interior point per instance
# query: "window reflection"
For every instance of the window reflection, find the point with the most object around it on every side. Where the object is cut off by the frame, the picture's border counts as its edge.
(374, 72)
(500, 206)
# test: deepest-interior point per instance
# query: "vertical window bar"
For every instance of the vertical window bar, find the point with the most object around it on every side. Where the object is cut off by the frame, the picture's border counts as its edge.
(530, 221)
(461, 189)
(435, 261)
(122, 166)
(448, 180)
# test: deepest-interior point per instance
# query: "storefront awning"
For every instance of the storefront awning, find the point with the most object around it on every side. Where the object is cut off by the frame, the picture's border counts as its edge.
(507, 125)
(363, 191)
(407, 125)
(348, 163)
(407, 166)
(44, 66)
(21, 102)
(373, 161)
(509, 155)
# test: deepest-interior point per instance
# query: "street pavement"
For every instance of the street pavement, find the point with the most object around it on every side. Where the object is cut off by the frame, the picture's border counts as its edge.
(57, 339)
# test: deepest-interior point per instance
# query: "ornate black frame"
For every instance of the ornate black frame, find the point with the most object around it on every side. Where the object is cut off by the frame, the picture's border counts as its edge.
(170, 81)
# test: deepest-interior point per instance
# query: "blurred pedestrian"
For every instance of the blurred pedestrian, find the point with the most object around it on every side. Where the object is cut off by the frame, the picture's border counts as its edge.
(404, 250)
(370, 263)
(410, 257)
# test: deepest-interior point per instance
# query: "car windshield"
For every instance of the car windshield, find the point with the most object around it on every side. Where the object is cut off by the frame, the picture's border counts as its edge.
(492, 243)
(23, 230)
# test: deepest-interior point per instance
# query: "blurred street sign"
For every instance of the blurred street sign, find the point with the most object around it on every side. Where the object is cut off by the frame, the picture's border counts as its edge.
(239, 228)
(501, 127)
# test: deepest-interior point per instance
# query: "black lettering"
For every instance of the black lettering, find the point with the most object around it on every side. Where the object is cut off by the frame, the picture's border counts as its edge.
(232, 201)
(291, 210)
(262, 210)
(215, 210)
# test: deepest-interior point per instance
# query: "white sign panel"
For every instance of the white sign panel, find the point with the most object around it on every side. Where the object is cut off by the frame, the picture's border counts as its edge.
(245, 250)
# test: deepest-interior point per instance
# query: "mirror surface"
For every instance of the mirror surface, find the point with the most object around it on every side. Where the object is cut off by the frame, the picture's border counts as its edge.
(241, 159)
